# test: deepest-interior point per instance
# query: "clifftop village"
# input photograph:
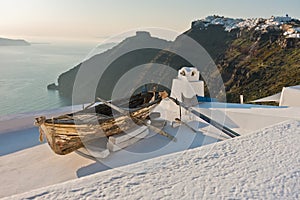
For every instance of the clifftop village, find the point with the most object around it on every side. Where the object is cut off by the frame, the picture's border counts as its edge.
(289, 26)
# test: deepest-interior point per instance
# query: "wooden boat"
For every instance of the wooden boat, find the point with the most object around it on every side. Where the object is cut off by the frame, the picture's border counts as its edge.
(67, 133)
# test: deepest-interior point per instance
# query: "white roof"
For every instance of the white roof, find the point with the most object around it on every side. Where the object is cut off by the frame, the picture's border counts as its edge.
(259, 165)
(289, 96)
(273, 98)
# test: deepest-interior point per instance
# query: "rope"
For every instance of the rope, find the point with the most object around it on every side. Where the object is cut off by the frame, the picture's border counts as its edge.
(38, 122)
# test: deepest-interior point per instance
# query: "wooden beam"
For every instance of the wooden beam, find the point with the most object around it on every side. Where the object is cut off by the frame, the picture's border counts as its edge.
(124, 112)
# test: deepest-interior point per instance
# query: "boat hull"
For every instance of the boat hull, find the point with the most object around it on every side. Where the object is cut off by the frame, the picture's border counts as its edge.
(66, 135)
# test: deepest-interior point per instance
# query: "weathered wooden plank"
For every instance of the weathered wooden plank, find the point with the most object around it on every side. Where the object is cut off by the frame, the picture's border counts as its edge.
(153, 128)
(122, 137)
(159, 123)
(131, 141)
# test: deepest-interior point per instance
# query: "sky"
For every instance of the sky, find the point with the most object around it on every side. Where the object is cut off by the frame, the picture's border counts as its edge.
(91, 20)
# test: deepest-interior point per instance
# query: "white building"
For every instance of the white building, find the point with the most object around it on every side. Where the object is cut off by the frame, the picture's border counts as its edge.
(289, 96)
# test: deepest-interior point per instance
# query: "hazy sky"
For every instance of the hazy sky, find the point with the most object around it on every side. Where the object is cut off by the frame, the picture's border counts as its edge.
(98, 19)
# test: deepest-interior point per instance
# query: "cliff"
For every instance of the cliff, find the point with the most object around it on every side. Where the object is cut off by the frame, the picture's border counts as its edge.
(256, 57)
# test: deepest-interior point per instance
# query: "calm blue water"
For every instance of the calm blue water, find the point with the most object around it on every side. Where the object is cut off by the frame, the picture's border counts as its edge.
(26, 71)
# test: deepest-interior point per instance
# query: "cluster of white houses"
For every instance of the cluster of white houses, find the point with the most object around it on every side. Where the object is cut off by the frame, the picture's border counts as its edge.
(260, 24)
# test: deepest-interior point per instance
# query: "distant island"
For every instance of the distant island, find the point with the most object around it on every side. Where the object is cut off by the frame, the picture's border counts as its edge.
(13, 42)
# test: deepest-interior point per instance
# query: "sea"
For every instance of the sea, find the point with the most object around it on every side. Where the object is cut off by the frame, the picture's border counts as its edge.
(25, 72)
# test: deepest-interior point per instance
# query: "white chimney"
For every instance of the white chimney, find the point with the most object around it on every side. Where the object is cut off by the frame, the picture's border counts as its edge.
(187, 83)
